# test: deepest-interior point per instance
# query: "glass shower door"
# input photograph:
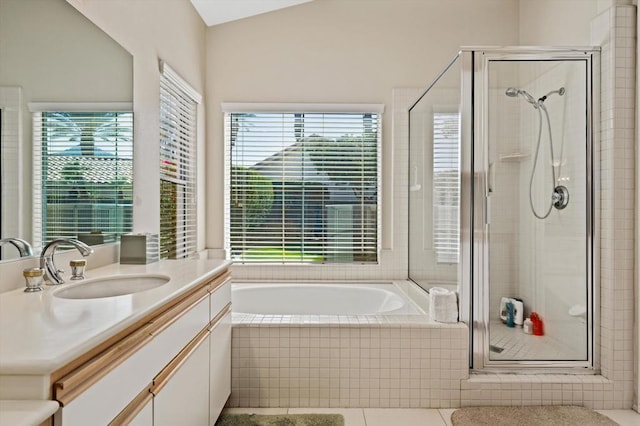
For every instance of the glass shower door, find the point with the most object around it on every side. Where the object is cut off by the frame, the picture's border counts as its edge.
(538, 204)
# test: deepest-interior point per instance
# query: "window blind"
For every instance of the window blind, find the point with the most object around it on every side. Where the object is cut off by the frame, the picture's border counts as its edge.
(178, 113)
(302, 186)
(446, 186)
(83, 172)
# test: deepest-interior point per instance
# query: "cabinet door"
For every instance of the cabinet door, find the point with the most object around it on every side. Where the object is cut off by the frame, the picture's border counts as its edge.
(182, 397)
(220, 366)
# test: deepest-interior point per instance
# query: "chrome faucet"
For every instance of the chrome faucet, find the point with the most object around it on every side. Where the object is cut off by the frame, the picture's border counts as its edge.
(53, 274)
(24, 248)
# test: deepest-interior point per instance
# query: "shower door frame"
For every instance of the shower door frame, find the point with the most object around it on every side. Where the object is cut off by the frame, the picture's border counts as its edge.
(474, 268)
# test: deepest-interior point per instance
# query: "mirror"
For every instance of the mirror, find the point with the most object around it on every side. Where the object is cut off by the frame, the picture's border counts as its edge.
(49, 53)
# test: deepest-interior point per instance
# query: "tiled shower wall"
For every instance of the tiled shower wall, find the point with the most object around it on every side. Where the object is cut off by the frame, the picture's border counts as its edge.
(615, 31)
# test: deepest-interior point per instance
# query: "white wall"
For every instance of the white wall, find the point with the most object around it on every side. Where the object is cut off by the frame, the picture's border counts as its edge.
(558, 22)
(174, 32)
(338, 51)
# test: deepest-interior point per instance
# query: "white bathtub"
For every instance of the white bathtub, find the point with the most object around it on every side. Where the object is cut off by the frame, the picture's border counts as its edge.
(321, 299)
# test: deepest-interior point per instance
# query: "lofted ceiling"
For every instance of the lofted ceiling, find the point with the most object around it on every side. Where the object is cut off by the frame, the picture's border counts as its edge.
(215, 12)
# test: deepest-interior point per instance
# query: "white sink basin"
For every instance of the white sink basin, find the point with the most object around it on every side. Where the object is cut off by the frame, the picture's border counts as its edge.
(112, 286)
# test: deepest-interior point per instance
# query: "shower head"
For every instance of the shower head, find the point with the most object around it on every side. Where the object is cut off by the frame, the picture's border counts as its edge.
(513, 92)
(560, 92)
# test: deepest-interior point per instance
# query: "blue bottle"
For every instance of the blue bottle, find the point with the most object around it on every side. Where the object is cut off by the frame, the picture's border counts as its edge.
(510, 315)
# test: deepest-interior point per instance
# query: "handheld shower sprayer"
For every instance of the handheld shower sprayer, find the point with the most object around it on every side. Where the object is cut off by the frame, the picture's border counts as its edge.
(560, 92)
(513, 92)
(559, 194)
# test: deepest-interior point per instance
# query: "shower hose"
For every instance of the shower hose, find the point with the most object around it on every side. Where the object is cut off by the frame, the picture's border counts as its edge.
(541, 107)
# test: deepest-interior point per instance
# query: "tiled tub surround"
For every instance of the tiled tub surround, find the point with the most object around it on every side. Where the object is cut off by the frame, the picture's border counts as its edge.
(347, 361)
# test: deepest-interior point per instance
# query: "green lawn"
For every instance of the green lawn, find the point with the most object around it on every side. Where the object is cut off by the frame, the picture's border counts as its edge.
(276, 253)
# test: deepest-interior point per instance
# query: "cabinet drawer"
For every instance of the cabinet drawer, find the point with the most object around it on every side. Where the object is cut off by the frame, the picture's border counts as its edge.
(160, 341)
(220, 297)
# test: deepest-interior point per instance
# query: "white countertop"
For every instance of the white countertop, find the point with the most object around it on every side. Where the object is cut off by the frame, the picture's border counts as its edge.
(26, 413)
(40, 333)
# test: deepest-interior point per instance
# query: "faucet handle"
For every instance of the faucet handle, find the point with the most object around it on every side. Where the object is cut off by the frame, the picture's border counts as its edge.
(33, 279)
(77, 269)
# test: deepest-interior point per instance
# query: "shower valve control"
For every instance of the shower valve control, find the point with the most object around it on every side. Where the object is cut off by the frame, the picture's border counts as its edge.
(560, 197)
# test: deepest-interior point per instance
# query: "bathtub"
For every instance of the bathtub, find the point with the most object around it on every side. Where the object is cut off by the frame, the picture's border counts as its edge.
(321, 299)
(328, 344)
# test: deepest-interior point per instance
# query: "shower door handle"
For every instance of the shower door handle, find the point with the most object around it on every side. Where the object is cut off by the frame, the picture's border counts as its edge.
(487, 209)
(490, 172)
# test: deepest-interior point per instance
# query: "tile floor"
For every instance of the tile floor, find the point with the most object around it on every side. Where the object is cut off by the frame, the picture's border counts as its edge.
(517, 345)
(408, 417)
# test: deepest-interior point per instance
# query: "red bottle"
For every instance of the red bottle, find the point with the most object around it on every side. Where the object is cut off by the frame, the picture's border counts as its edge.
(538, 327)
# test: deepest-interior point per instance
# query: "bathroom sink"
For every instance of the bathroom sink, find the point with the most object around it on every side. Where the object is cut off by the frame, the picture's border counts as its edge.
(112, 286)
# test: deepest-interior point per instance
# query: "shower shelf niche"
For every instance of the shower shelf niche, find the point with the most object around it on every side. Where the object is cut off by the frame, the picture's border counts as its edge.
(514, 157)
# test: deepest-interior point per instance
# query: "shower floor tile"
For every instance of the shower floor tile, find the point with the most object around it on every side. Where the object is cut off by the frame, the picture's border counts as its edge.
(513, 344)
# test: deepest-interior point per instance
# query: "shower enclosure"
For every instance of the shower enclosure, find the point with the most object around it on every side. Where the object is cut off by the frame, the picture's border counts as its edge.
(501, 201)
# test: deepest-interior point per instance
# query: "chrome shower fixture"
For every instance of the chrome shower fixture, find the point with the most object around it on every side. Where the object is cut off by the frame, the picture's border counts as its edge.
(560, 92)
(513, 92)
(559, 193)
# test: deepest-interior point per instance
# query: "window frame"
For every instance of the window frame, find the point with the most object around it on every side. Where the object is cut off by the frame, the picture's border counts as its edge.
(300, 108)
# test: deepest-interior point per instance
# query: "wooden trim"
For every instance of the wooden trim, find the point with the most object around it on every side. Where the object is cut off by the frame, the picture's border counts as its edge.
(219, 282)
(131, 411)
(48, 422)
(170, 316)
(70, 386)
(165, 375)
(219, 317)
(80, 374)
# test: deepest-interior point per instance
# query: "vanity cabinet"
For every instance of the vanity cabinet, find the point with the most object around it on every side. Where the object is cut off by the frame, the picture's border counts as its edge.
(171, 367)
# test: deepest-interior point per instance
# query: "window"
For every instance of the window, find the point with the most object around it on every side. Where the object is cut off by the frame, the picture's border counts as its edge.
(83, 164)
(302, 186)
(446, 186)
(178, 111)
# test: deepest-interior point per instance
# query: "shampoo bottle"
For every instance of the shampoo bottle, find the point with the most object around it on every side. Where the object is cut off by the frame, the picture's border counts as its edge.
(510, 315)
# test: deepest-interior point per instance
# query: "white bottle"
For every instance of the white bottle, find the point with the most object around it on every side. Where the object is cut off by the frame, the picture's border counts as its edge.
(518, 312)
(527, 326)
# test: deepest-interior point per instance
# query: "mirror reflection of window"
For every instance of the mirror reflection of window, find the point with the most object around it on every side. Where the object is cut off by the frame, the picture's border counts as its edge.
(83, 161)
